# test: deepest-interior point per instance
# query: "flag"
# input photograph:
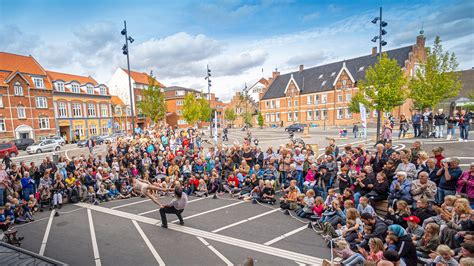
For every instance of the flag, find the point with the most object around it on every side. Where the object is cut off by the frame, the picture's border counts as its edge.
(215, 126)
(363, 118)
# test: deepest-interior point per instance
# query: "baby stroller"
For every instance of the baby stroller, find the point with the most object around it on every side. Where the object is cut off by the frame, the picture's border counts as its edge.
(45, 197)
(9, 237)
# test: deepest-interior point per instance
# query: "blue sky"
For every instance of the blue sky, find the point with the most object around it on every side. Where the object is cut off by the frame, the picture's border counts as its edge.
(176, 39)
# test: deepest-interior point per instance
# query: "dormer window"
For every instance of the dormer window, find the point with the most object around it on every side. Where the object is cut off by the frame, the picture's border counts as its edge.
(38, 82)
(333, 74)
(361, 68)
(103, 91)
(60, 86)
(321, 76)
(75, 88)
(18, 89)
(90, 89)
(324, 83)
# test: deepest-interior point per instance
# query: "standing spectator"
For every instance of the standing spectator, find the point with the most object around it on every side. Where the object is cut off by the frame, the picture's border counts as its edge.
(90, 145)
(355, 130)
(387, 132)
(439, 121)
(416, 121)
(7, 161)
(403, 126)
(427, 121)
(4, 184)
(452, 124)
(464, 120)
(299, 160)
(449, 174)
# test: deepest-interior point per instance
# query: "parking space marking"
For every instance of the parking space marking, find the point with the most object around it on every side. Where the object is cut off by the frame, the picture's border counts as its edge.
(46, 233)
(149, 245)
(129, 204)
(245, 220)
(154, 210)
(273, 241)
(209, 211)
(281, 253)
(224, 259)
(44, 218)
(95, 248)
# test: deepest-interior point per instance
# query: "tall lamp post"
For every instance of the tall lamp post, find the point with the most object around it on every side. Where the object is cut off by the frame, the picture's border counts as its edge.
(208, 78)
(382, 31)
(125, 51)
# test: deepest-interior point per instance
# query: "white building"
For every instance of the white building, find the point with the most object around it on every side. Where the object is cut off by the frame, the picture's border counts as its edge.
(257, 87)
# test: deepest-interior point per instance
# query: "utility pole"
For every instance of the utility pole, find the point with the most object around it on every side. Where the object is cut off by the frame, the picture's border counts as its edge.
(125, 50)
(208, 77)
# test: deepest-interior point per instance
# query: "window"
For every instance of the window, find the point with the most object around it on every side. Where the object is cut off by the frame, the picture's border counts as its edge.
(289, 103)
(62, 111)
(104, 129)
(75, 88)
(348, 113)
(309, 99)
(139, 98)
(179, 93)
(277, 118)
(316, 100)
(182, 122)
(1, 101)
(339, 113)
(324, 83)
(76, 110)
(277, 103)
(21, 111)
(321, 76)
(128, 110)
(316, 114)
(179, 102)
(296, 103)
(128, 126)
(333, 74)
(38, 83)
(41, 102)
(44, 123)
(339, 97)
(103, 91)
(324, 98)
(272, 104)
(179, 112)
(90, 89)
(104, 110)
(295, 116)
(60, 86)
(348, 97)
(272, 117)
(310, 115)
(290, 117)
(18, 89)
(344, 83)
(267, 118)
(79, 130)
(91, 109)
(2, 125)
(118, 110)
(93, 129)
(324, 114)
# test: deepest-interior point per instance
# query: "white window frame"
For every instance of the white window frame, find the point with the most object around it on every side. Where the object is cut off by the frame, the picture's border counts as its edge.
(3, 127)
(289, 102)
(309, 99)
(339, 97)
(90, 89)
(1, 101)
(348, 113)
(324, 113)
(179, 112)
(43, 123)
(18, 89)
(104, 129)
(179, 102)
(93, 129)
(182, 122)
(316, 99)
(41, 102)
(309, 115)
(316, 114)
(91, 112)
(180, 93)
(60, 86)
(128, 111)
(295, 116)
(272, 117)
(272, 104)
(80, 130)
(39, 82)
(139, 98)
(277, 103)
(348, 97)
(103, 91)
(62, 109)
(290, 117)
(267, 118)
(104, 112)
(324, 98)
(76, 112)
(75, 88)
(296, 103)
(277, 117)
(340, 113)
(22, 113)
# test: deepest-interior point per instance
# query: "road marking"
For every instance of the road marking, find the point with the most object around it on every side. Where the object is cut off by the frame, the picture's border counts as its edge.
(300, 264)
(130, 204)
(273, 241)
(95, 248)
(209, 211)
(46, 233)
(44, 218)
(154, 210)
(465, 158)
(224, 259)
(281, 253)
(148, 243)
(245, 220)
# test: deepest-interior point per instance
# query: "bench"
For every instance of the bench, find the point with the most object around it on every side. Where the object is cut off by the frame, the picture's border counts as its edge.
(381, 208)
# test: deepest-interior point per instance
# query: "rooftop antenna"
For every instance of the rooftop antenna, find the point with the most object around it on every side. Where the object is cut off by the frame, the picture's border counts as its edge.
(422, 31)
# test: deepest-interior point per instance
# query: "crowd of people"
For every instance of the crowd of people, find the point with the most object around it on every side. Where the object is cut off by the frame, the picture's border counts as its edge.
(428, 198)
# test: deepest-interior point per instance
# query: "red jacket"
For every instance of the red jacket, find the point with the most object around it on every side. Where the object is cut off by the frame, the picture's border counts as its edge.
(233, 179)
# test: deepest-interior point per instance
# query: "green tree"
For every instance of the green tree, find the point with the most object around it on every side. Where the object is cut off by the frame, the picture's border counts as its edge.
(383, 88)
(437, 79)
(204, 110)
(190, 109)
(230, 115)
(260, 119)
(153, 104)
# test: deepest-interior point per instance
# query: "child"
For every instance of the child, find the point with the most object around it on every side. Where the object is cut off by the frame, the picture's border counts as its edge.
(331, 196)
(342, 250)
(391, 242)
(447, 206)
(32, 204)
(364, 206)
(289, 203)
(413, 228)
(114, 193)
(102, 193)
(91, 196)
(124, 192)
(444, 257)
(308, 204)
(201, 189)
(318, 207)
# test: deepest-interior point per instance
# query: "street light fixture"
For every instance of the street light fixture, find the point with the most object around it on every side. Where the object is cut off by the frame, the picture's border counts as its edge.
(208, 78)
(382, 31)
(125, 51)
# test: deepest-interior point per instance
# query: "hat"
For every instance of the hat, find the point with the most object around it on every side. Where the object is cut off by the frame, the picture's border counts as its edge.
(412, 219)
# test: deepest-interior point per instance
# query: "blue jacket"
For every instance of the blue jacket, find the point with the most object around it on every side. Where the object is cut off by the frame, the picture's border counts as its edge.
(404, 191)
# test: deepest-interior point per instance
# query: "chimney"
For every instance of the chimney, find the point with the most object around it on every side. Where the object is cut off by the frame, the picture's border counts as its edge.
(301, 68)
(374, 50)
(420, 40)
(275, 74)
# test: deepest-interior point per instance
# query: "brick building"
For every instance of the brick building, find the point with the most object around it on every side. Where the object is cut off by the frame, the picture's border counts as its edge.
(82, 106)
(322, 94)
(242, 105)
(174, 96)
(121, 113)
(26, 99)
(119, 86)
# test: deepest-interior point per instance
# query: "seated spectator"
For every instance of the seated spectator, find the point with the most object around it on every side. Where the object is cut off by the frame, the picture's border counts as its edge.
(375, 253)
(413, 228)
(423, 188)
(308, 204)
(455, 222)
(442, 256)
(268, 194)
(429, 241)
(201, 189)
(102, 193)
(379, 229)
(407, 167)
(114, 193)
(423, 210)
(398, 215)
(289, 201)
(446, 208)
(364, 206)
(361, 186)
(405, 247)
(400, 190)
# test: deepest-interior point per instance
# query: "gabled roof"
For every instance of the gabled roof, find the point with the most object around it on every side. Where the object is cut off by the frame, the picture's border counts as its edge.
(177, 88)
(67, 78)
(321, 78)
(142, 78)
(26, 65)
(116, 100)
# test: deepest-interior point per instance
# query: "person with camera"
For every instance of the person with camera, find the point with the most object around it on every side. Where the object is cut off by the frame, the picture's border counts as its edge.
(449, 174)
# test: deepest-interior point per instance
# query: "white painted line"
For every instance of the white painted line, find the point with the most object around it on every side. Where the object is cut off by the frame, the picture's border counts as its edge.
(465, 158)
(149, 245)
(273, 241)
(281, 253)
(95, 248)
(224, 259)
(209, 211)
(130, 204)
(154, 210)
(300, 264)
(245, 220)
(46, 233)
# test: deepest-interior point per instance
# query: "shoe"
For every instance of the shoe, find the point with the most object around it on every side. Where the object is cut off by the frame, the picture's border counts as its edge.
(181, 222)
(41, 210)
(60, 206)
(254, 201)
(310, 225)
(286, 212)
(56, 214)
(164, 225)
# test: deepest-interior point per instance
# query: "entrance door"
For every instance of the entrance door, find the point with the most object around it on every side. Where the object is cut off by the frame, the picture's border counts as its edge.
(24, 135)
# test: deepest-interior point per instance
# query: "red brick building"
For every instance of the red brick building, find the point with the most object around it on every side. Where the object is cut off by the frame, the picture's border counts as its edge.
(322, 94)
(26, 99)
(174, 97)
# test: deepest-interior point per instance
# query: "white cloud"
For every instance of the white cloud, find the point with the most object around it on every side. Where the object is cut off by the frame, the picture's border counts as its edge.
(311, 16)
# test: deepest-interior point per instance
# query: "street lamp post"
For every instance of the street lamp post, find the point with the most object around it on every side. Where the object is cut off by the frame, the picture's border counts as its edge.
(125, 51)
(208, 77)
(382, 25)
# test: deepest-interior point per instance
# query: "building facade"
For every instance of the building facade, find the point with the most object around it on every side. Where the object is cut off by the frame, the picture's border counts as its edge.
(82, 106)
(321, 95)
(174, 97)
(121, 113)
(26, 102)
(119, 86)
(242, 105)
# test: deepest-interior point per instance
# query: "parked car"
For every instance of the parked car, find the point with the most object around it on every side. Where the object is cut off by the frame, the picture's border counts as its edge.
(21, 144)
(295, 127)
(58, 139)
(8, 147)
(113, 137)
(45, 145)
(82, 143)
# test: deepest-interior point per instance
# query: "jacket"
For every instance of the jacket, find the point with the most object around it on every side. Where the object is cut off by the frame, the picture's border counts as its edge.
(468, 187)
(418, 192)
(403, 192)
(439, 119)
